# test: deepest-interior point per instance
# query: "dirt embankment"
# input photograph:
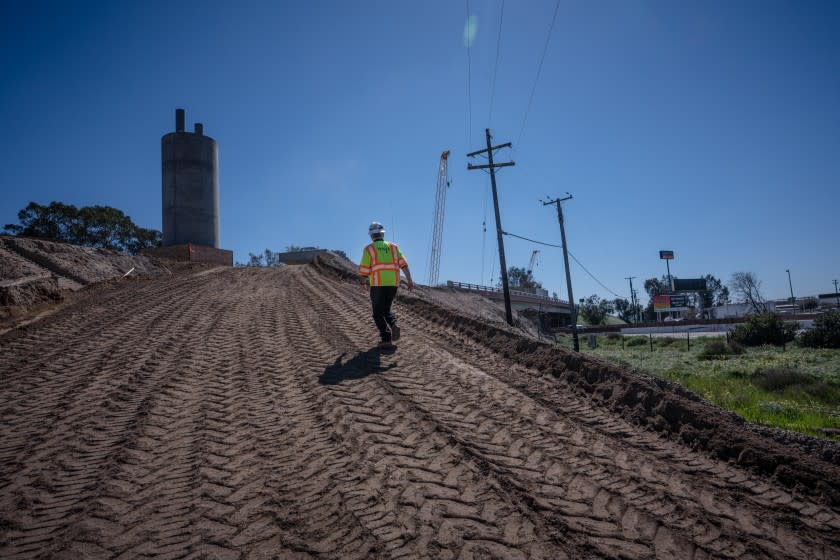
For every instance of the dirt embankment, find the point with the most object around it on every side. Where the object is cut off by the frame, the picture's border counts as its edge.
(244, 413)
(36, 273)
(794, 459)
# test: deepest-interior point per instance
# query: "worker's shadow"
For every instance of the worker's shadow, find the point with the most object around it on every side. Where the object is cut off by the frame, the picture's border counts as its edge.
(358, 367)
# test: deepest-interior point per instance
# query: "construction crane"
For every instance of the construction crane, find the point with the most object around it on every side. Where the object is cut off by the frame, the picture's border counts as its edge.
(533, 259)
(440, 207)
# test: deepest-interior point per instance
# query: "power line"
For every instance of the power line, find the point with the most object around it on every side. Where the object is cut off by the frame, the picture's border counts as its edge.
(570, 254)
(469, 73)
(496, 65)
(532, 240)
(593, 276)
(539, 69)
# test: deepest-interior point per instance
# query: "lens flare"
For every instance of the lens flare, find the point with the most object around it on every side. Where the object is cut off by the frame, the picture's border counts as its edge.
(470, 31)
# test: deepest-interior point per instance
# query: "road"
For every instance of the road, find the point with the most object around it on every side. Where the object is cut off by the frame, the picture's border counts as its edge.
(243, 413)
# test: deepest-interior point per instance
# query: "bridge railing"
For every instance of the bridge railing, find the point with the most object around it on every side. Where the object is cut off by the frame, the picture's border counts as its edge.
(493, 290)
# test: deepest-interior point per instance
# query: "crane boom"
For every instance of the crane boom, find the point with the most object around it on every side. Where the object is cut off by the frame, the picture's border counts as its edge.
(440, 207)
(533, 259)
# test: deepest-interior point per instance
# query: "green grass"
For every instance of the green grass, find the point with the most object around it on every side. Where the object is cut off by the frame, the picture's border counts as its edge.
(796, 389)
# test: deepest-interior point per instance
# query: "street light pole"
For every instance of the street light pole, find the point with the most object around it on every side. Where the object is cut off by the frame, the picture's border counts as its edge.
(836, 293)
(792, 298)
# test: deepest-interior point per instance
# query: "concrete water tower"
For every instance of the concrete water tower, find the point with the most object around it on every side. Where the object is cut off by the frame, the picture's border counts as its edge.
(190, 186)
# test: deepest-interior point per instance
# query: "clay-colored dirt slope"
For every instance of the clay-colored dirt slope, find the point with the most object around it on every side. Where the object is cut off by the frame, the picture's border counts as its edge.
(241, 413)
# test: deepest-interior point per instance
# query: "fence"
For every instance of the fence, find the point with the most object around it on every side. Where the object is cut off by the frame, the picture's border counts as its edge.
(498, 291)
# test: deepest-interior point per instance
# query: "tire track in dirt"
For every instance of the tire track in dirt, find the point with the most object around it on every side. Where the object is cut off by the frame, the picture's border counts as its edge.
(368, 396)
(110, 388)
(287, 506)
(70, 377)
(239, 414)
(36, 363)
(619, 499)
(230, 475)
(606, 492)
(556, 395)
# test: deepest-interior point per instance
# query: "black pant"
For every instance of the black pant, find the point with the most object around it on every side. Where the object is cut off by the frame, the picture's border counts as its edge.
(381, 298)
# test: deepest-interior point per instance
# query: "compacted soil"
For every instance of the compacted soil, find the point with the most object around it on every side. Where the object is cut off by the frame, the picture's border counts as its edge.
(245, 413)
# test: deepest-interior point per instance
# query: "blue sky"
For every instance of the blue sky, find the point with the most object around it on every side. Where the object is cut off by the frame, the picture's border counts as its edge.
(708, 128)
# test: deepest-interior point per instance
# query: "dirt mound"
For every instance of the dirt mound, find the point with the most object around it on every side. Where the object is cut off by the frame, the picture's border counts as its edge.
(664, 406)
(36, 272)
(29, 291)
(244, 413)
(85, 265)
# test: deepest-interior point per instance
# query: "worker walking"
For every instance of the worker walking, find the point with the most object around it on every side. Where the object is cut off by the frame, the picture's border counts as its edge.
(380, 269)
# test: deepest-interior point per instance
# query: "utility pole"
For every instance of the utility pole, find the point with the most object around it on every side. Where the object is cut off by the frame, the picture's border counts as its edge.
(492, 167)
(792, 299)
(638, 306)
(836, 293)
(557, 202)
(632, 293)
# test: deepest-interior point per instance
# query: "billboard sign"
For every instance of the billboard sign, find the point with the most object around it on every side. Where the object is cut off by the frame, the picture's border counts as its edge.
(679, 301)
(666, 255)
(666, 303)
(661, 303)
(689, 284)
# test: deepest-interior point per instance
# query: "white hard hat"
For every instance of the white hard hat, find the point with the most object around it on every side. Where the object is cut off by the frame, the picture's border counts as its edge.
(376, 229)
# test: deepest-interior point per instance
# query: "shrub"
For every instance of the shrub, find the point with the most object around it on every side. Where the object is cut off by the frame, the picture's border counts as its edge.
(666, 341)
(764, 328)
(780, 378)
(717, 349)
(825, 334)
(613, 336)
(637, 341)
(736, 347)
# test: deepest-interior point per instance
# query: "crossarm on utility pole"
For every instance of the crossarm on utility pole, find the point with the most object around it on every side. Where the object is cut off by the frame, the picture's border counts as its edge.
(490, 165)
(489, 149)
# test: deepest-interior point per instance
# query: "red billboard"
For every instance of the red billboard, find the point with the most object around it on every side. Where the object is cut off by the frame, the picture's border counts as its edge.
(661, 303)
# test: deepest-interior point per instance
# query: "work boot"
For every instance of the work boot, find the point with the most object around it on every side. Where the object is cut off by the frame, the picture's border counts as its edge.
(395, 333)
(387, 345)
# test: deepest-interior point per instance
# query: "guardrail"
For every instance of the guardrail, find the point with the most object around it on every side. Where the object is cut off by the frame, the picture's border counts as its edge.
(492, 290)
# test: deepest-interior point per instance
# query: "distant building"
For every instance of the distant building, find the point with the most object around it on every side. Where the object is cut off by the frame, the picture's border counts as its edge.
(304, 255)
(830, 301)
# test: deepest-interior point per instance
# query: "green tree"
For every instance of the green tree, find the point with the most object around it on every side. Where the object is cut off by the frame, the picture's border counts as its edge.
(625, 310)
(826, 332)
(272, 259)
(521, 278)
(656, 286)
(715, 294)
(95, 226)
(595, 310)
(266, 259)
(764, 328)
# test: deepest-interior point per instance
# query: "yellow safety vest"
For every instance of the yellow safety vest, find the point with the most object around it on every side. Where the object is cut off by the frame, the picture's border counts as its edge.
(381, 263)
